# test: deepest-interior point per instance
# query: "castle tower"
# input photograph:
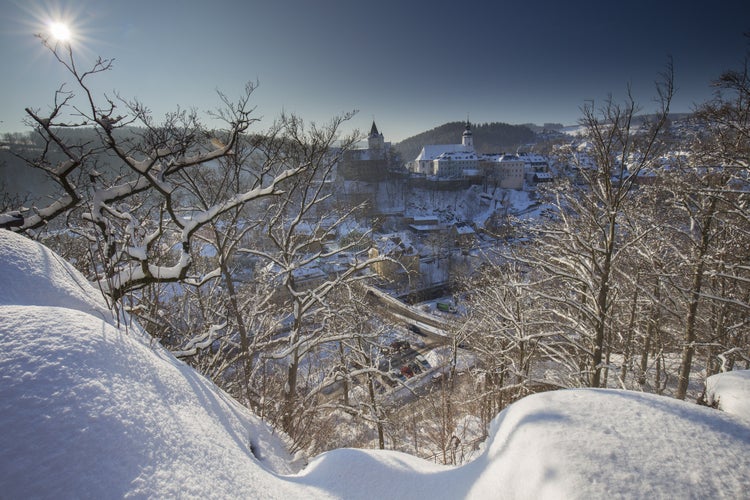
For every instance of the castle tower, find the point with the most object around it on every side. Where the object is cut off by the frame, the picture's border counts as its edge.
(467, 139)
(375, 140)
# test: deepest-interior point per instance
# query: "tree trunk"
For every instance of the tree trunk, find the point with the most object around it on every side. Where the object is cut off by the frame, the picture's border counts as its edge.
(653, 325)
(688, 349)
(602, 306)
(246, 356)
(345, 376)
(376, 412)
(290, 394)
(628, 348)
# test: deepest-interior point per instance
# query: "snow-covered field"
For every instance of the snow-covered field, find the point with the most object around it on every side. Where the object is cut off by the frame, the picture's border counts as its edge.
(92, 408)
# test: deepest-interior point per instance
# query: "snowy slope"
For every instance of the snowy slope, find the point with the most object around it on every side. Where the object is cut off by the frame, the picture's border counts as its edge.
(90, 409)
(32, 274)
(606, 443)
(568, 444)
(96, 411)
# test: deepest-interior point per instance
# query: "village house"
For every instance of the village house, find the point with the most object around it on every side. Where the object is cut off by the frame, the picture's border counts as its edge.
(463, 235)
(402, 265)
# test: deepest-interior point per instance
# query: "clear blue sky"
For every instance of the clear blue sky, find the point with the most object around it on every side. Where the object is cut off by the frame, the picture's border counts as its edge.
(411, 65)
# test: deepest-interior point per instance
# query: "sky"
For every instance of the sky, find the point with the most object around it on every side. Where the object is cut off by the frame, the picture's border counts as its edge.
(408, 65)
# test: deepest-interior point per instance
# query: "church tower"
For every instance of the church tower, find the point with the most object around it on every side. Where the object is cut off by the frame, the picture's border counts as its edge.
(467, 139)
(375, 141)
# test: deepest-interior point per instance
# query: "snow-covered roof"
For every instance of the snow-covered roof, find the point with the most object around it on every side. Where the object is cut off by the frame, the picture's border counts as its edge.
(431, 152)
(394, 245)
(423, 228)
(308, 272)
(425, 218)
(457, 156)
(533, 157)
(501, 158)
(463, 228)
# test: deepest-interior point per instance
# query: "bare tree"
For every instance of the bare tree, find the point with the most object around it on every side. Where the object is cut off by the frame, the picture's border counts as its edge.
(510, 331)
(300, 232)
(713, 197)
(167, 203)
(579, 252)
(128, 191)
(359, 362)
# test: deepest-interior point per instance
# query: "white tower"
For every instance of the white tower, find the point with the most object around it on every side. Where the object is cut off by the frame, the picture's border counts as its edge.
(467, 139)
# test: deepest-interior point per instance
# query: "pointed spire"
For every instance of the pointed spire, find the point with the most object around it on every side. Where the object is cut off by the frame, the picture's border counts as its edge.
(374, 130)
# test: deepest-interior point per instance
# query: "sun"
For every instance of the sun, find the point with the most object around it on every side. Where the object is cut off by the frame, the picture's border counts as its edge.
(60, 31)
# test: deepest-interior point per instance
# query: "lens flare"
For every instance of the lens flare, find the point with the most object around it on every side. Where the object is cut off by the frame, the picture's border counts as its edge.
(60, 31)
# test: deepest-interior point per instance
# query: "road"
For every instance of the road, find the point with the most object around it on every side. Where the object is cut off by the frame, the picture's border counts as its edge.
(432, 328)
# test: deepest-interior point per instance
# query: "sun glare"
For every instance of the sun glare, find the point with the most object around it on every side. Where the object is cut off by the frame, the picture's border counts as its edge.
(60, 31)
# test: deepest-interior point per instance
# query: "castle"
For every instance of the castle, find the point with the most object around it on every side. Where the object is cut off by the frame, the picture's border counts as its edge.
(372, 164)
(461, 162)
(446, 161)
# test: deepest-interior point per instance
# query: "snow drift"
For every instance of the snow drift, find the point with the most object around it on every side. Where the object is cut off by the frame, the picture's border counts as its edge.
(91, 408)
(730, 392)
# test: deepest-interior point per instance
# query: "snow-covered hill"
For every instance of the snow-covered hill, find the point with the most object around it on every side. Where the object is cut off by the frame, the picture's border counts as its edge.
(93, 408)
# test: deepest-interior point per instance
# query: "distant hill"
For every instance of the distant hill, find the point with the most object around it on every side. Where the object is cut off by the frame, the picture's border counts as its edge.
(18, 179)
(672, 118)
(488, 138)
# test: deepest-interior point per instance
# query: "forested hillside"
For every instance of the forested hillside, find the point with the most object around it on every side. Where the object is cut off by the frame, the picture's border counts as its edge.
(488, 138)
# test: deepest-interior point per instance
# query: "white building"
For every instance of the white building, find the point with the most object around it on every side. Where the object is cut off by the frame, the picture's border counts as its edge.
(454, 165)
(452, 158)
(537, 167)
(504, 170)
